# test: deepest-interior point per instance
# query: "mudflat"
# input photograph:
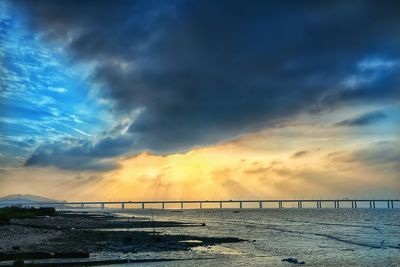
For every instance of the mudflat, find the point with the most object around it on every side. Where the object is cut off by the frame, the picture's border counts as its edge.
(77, 235)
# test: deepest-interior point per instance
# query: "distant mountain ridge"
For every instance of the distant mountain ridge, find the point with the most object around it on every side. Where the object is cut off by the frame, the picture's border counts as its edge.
(25, 198)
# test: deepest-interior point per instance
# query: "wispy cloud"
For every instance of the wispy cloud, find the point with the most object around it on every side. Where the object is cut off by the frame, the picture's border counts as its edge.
(300, 154)
(377, 64)
(363, 119)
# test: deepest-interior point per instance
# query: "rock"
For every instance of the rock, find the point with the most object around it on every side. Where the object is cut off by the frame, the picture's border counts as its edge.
(4, 221)
(42, 255)
(156, 238)
(127, 240)
(293, 260)
(19, 263)
(24, 255)
(73, 254)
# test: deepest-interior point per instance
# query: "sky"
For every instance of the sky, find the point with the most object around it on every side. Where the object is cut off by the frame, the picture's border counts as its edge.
(186, 99)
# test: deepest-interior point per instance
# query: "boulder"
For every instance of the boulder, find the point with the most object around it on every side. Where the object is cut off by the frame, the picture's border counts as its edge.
(293, 260)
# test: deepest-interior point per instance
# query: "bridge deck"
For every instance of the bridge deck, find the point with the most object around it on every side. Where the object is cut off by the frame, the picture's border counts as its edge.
(335, 203)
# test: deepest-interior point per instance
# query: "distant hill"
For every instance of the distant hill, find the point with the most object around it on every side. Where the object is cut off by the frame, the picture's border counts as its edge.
(18, 198)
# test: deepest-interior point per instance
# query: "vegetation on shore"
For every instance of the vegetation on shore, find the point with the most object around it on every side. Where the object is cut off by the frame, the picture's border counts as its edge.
(8, 213)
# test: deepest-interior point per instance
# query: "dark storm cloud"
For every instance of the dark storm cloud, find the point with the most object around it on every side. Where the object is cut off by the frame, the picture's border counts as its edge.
(206, 71)
(75, 154)
(363, 119)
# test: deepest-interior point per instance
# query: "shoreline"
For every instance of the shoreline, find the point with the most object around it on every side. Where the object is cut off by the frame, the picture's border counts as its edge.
(75, 235)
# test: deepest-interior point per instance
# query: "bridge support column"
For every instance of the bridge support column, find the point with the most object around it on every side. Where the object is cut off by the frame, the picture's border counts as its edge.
(352, 204)
(334, 203)
(388, 204)
(260, 204)
(82, 205)
(181, 205)
(201, 205)
(391, 203)
(163, 205)
(280, 205)
(102, 206)
(370, 204)
(142, 205)
(373, 204)
(122, 205)
(338, 204)
(355, 204)
(240, 204)
(220, 205)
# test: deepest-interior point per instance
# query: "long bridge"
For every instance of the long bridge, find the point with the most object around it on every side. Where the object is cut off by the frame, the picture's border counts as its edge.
(201, 204)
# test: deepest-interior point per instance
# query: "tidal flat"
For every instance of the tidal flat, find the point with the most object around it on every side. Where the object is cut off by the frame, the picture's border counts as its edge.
(78, 235)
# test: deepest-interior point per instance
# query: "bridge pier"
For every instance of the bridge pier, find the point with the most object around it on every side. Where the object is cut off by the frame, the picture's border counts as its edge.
(122, 205)
(260, 204)
(142, 205)
(102, 206)
(373, 204)
(280, 204)
(201, 205)
(220, 204)
(337, 205)
(299, 204)
(240, 205)
(181, 205)
(370, 204)
(82, 205)
(392, 204)
(163, 205)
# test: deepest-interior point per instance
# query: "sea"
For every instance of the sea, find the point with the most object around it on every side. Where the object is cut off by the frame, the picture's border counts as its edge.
(319, 237)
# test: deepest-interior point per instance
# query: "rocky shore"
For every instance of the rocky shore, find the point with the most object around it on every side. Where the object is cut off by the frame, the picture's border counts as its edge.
(75, 235)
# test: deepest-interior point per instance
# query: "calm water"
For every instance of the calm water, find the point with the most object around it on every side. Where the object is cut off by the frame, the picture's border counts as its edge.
(325, 237)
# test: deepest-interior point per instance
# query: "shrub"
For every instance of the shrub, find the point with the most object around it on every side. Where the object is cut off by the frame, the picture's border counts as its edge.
(24, 213)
